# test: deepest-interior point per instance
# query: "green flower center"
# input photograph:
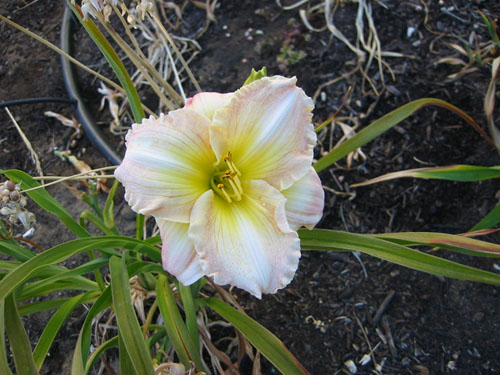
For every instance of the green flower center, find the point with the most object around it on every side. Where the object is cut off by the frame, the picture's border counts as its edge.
(225, 180)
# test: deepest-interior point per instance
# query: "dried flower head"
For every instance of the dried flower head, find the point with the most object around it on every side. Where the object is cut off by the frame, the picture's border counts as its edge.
(93, 7)
(12, 204)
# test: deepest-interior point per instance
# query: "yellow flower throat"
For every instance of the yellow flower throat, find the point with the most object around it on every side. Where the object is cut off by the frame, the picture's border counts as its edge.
(226, 180)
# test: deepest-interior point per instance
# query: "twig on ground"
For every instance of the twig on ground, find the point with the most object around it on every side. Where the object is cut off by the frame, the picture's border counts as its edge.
(388, 335)
(27, 142)
(369, 344)
(383, 307)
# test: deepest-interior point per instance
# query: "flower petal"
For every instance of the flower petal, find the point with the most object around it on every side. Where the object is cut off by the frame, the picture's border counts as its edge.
(267, 128)
(206, 103)
(247, 243)
(177, 252)
(167, 165)
(305, 201)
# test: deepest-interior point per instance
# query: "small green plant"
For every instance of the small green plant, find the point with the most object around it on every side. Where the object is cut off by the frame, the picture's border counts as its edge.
(289, 54)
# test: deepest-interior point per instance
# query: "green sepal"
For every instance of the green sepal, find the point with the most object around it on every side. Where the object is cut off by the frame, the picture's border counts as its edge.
(255, 75)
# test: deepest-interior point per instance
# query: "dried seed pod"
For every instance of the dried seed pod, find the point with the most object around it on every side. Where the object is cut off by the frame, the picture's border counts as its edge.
(10, 185)
(14, 195)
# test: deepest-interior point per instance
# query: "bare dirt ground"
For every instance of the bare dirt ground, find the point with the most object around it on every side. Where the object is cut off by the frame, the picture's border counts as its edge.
(328, 315)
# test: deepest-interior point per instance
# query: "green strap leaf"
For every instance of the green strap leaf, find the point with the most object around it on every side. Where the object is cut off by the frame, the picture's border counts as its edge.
(72, 277)
(128, 325)
(139, 226)
(15, 251)
(115, 63)
(8, 265)
(452, 242)
(111, 343)
(56, 286)
(36, 307)
(141, 267)
(82, 347)
(126, 364)
(176, 329)
(331, 240)
(261, 338)
(18, 340)
(100, 224)
(4, 365)
(109, 219)
(461, 173)
(489, 221)
(52, 328)
(63, 251)
(385, 123)
(190, 311)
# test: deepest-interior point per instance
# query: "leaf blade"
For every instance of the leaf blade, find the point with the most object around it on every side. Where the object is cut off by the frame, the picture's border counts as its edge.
(386, 122)
(128, 325)
(330, 240)
(176, 329)
(260, 337)
(18, 339)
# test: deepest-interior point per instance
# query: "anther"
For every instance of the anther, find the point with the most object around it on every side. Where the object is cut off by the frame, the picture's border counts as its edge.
(229, 174)
(227, 157)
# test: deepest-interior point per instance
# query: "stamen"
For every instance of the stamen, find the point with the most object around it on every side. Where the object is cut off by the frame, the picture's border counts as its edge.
(226, 195)
(233, 167)
(226, 183)
(238, 184)
(228, 158)
(235, 190)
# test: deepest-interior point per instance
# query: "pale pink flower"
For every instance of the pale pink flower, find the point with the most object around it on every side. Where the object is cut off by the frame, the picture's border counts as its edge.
(229, 181)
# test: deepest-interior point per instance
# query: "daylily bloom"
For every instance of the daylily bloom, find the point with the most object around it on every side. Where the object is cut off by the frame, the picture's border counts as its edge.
(229, 181)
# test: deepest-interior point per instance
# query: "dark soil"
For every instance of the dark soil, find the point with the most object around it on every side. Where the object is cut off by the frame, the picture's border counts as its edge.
(328, 315)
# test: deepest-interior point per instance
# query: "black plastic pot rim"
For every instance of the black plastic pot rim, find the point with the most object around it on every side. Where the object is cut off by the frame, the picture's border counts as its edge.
(83, 114)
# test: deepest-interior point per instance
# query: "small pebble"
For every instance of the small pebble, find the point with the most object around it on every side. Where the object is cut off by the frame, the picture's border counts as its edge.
(351, 366)
(478, 316)
(365, 360)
